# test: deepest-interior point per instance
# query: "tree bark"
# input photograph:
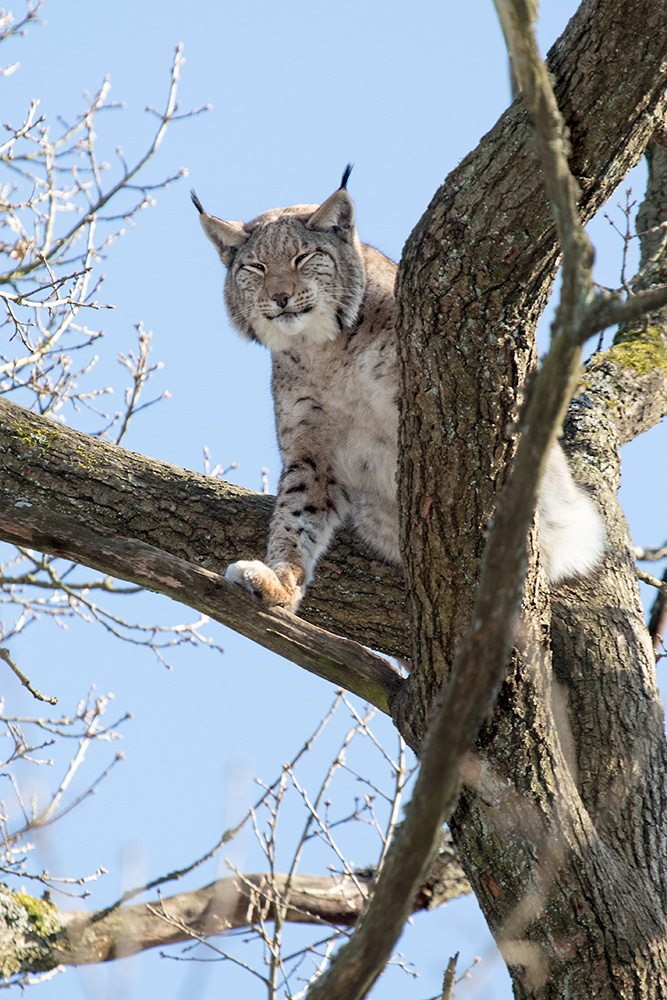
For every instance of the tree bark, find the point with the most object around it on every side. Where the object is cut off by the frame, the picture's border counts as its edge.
(339, 660)
(121, 494)
(562, 818)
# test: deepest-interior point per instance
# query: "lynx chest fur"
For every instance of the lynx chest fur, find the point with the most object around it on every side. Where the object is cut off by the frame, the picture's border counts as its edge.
(300, 282)
(337, 401)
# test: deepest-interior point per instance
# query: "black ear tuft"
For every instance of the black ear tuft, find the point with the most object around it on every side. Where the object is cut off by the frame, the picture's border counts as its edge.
(196, 202)
(346, 177)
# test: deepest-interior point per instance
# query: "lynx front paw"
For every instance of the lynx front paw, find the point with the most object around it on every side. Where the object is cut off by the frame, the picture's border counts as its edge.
(264, 583)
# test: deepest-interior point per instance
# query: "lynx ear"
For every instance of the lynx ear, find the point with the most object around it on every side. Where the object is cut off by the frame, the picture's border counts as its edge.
(226, 237)
(337, 211)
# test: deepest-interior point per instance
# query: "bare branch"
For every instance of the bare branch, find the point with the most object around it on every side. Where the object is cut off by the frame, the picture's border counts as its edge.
(54, 249)
(232, 902)
(450, 978)
(4, 655)
(28, 738)
(652, 581)
(608, 310)
(651, 555)
(9, 27)
(658, 619)
(251, 901)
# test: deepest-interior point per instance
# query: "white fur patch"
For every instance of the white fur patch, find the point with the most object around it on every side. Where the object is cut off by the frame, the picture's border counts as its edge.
(289, 330)
(572, 535)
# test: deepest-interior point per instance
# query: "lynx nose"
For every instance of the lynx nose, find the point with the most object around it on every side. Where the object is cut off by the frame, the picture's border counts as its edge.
(282, 298)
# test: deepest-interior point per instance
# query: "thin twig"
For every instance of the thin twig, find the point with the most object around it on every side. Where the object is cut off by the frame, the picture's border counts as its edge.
(4, 655)
(652, 581)
(651, 555)
(450, 978)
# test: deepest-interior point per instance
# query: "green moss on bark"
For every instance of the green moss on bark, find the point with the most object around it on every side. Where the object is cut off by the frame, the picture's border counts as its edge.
(642, 351)
(31, 436)
(29, 929)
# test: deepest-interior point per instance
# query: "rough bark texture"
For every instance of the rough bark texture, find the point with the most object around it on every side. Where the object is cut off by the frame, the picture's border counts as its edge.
(199, 519)
(474, 279)
(561, 825)
(339, 660)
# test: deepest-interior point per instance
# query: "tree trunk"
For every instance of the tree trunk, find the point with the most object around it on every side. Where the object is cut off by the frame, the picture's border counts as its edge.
(561, 824)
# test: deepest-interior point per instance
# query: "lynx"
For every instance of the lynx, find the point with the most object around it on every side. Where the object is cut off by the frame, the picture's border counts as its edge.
(300, 282)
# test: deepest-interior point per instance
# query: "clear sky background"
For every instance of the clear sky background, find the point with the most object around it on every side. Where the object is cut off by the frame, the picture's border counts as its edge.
(296, 90)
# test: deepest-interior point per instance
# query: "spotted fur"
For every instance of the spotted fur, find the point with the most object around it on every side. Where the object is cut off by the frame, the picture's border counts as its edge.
(300, 282)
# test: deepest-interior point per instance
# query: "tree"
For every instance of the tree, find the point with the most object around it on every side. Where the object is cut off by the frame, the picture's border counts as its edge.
(559, 822)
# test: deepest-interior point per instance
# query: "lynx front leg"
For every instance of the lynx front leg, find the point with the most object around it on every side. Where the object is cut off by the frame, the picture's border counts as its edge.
(311, 504)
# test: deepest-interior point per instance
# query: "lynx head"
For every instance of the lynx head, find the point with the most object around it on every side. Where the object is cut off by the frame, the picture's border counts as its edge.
(295, 275)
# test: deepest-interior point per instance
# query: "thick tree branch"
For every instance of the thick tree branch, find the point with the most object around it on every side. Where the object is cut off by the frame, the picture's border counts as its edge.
(339, 660)
(49, 938)
(456, 306)
(185, 514)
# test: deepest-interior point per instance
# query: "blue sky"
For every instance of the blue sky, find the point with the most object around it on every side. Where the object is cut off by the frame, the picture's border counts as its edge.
(296, 91)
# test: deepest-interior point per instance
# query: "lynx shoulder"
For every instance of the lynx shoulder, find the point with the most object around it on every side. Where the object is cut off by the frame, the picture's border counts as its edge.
(300, 282)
